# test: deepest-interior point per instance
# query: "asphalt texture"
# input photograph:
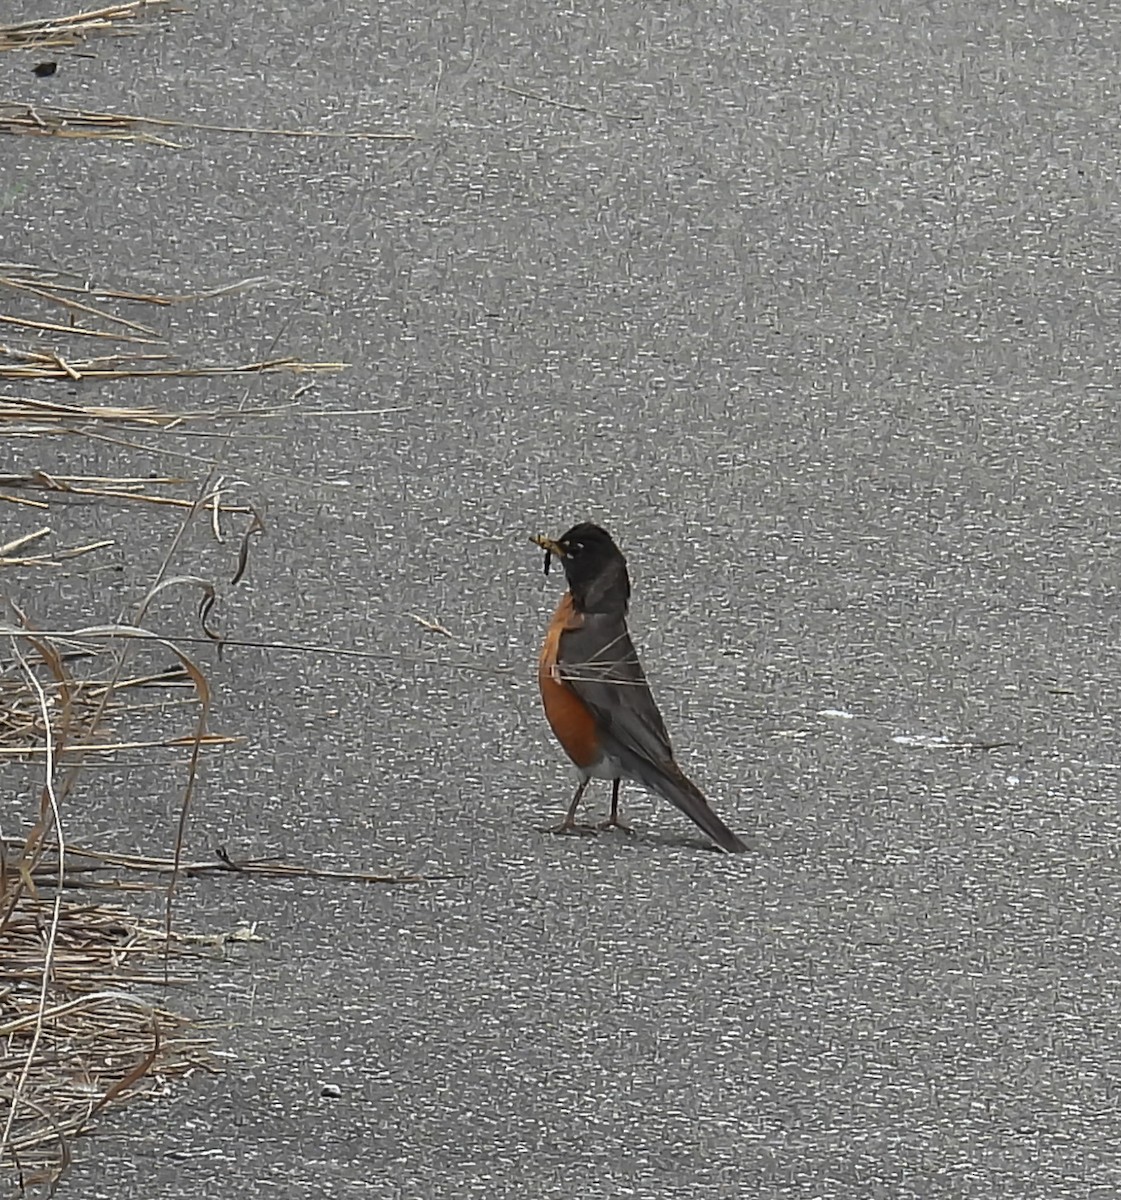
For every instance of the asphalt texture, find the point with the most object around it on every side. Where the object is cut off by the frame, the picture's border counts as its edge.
(816, 308)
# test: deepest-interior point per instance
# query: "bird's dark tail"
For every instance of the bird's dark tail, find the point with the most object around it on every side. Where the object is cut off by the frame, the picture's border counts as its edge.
(672, 784)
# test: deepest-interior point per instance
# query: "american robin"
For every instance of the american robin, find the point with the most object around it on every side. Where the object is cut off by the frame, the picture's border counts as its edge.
(595, 692)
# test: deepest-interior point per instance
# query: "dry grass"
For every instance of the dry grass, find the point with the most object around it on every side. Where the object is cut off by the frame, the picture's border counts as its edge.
(57, 305)
(71, 30)
(93, 867)
(84, 1032)
(47, 120)
(93, 708)
(26, 365)
(84, 1019)
(75, 1032)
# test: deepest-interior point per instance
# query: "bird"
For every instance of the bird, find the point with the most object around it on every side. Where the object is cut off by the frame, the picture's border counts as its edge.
(594, 690)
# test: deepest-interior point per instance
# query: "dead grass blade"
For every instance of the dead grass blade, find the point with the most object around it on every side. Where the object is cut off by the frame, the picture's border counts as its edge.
(538, 98)
(142, 1068)
(91, 708)
(53, 558)
(206, 603)
(76, 330)
(27, 364)
(257, 525)
(25, 540)
(282, 870)
(42, 286)
(49, 817)
(51, 32)
(72, 124)
(86, 867)
(32, 277)
(207, 741)
(19, 117)
(52, 416)
(108, 488)
(73, 638)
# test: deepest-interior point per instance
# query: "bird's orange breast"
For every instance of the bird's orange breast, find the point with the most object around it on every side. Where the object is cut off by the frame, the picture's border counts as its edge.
(568, 716)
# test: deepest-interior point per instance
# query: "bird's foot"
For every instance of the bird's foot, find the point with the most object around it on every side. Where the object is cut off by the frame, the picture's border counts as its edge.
(567, 826)
(615, 823)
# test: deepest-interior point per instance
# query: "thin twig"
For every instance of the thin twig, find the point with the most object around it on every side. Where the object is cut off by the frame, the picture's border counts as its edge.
(580, 108)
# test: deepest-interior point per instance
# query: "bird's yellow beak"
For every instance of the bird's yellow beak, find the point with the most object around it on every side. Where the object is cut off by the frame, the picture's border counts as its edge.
(552, 549)
(548, 545)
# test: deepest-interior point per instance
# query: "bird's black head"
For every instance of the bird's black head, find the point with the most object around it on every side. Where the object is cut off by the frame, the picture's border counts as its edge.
(593, 565)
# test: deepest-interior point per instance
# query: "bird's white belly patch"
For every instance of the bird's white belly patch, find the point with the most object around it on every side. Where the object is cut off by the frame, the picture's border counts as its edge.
(605, 768)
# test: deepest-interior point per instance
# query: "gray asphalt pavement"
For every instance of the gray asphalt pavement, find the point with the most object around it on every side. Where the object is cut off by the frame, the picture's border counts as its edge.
(816, 307)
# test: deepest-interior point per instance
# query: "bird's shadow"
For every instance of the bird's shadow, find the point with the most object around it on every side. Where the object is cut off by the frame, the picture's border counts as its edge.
(669, 841)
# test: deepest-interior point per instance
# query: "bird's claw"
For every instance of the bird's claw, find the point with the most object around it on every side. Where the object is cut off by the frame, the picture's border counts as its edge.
(615, 823)
(573, 827)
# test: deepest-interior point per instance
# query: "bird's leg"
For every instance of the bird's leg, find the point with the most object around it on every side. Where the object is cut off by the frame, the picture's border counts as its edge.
(569, 825)
(613, 821)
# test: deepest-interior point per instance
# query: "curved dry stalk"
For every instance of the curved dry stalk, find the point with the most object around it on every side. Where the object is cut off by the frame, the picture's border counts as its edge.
(56, 911)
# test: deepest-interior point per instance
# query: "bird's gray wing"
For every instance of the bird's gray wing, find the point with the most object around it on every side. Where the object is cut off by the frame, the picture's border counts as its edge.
(597, 659)
(599, 662)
